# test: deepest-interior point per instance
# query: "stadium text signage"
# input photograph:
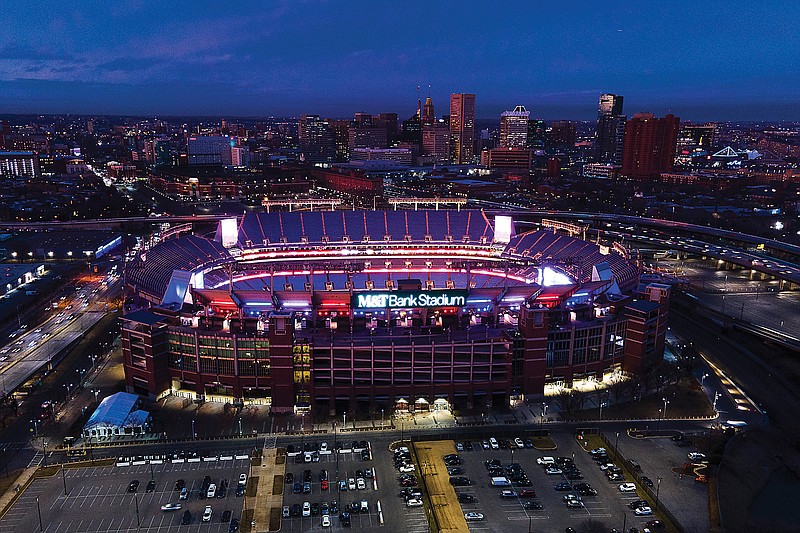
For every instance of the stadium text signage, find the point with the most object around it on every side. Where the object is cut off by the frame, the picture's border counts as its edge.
(406, 299)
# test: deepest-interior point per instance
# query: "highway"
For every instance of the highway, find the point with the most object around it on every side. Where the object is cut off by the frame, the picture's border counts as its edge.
(29, 350)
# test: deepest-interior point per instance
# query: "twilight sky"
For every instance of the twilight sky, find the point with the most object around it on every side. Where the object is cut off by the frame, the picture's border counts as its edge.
(701, 59)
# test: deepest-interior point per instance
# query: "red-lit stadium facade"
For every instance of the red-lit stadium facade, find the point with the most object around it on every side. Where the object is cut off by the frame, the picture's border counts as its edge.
(365, 310)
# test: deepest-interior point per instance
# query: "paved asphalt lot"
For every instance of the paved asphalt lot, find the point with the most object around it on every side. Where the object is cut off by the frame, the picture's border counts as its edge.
(508, 515)
(98, 500)
(383, 488)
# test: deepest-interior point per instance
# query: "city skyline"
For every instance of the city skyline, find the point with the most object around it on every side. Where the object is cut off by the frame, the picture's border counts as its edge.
(700, 62)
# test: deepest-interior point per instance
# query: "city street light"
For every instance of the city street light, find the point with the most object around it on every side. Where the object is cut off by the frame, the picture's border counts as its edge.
(658, 488)
(703, 379)
(381, 418)
(240, 426)
(39, 509)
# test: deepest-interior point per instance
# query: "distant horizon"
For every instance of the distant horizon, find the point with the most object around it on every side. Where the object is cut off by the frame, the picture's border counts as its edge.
(570, 112)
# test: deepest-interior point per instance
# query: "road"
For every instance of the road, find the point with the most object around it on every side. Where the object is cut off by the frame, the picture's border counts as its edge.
(31, 349)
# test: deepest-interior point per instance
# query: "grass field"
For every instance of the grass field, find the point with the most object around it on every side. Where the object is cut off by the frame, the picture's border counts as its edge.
(438, 491)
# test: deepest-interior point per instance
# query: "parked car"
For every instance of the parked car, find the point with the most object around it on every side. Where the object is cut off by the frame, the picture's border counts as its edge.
(414, 502)
(187, 517)
(463, 497)
(643, 511)
(532, 505)
(696, 456)
(627, 487)
(473, 517)
(207, 512)
(646, 481)
(171, 507)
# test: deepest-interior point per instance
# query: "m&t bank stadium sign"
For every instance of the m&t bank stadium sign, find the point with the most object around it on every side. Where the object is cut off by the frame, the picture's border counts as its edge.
(407, 299)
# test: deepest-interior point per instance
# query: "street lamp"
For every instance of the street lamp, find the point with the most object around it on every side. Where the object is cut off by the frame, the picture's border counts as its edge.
(665, 407)
(658, 488)
(703, 379)
(344, 421)
(716, 396)
(240, 426)
(616, 445)
(381, 418)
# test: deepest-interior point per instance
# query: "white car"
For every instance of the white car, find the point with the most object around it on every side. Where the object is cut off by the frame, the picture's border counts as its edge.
(242, 479)
(627, 487)
(361, 484)
(519, 443)
(323, 448)
(643, 511)
(212, 491)
(171, 507)
(406, 468)
(414, 502)
(493, 443)
(351, 484)
(574, 504)
(597, 451)
(696, 456)
(306, 509)
(473, 517)
(326, 521)
(543, 461)
(207, 514)
(553, 470)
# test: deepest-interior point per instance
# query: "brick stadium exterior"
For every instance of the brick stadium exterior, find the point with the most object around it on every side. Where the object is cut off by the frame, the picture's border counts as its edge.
(292, 310)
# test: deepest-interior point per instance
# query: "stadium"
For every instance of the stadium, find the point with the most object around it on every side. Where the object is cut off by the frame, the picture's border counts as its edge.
(343, 311)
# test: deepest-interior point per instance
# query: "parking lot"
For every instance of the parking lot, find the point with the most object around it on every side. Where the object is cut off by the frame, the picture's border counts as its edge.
(609, 506)
(314, 477)
(99, 499)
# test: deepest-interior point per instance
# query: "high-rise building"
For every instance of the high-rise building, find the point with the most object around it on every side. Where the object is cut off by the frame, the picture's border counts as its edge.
(388, 121)
(240, 156)
(563, 134)
(649, 145)
(537, 133)
(428, 116)
(209, 150)
(436, 142)
(610, 134)
(514, 128)
(462, 127)
(22, 164)
(317, 142)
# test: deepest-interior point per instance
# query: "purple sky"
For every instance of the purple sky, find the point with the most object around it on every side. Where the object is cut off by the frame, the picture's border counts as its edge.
(700, 60)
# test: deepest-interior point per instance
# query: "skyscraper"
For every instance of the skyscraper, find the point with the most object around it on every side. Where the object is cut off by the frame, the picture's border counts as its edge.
(462, 127)
(316, 139)
(609, 136)
(428, 117)
(649, 145)
(514, 128)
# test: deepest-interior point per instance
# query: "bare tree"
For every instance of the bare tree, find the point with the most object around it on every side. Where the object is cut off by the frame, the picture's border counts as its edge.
(617, 387)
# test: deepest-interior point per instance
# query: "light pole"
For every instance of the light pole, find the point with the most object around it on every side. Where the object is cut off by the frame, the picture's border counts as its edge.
(658, 488)
(665, 406)
(716, 396)
(703, 379)
(194, 433)
(240, 426)
(64, 479)
(616, 445)
(344, 421)
(381, 418)
(39, 509)
(96, 392)
(136, 499)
